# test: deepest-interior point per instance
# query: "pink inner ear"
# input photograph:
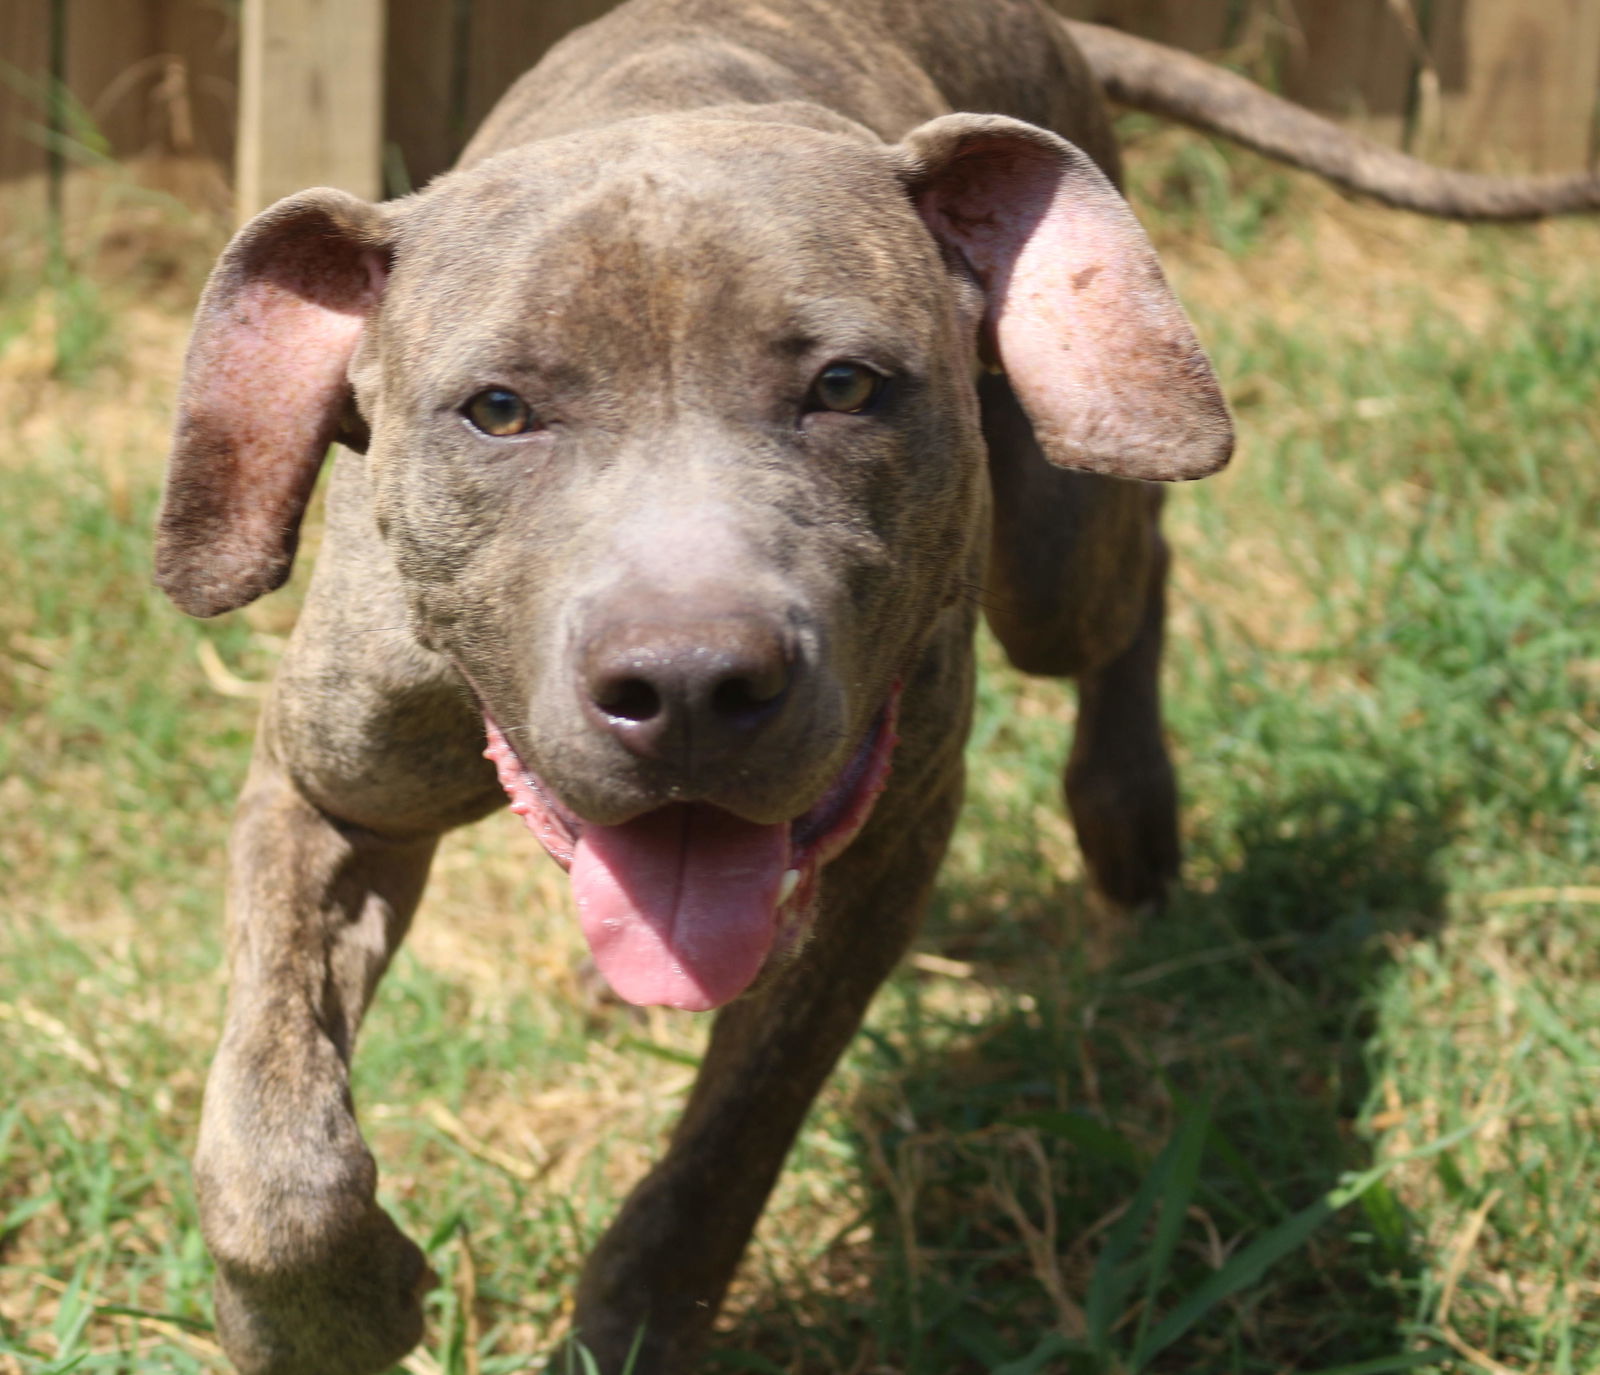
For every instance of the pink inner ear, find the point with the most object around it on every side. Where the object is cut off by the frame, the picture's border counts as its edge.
(264, 393)
(276, 379)
(1088, 331)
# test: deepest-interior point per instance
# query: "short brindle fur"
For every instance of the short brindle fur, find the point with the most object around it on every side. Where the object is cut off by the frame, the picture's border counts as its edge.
(681, 423)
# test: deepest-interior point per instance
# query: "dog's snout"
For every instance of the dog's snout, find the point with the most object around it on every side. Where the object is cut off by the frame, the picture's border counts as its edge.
(689, 692)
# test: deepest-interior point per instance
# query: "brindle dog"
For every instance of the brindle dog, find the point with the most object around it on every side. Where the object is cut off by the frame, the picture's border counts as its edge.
(682, 422)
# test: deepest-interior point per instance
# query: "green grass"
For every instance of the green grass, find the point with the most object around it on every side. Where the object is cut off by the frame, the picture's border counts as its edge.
(1335, 1111)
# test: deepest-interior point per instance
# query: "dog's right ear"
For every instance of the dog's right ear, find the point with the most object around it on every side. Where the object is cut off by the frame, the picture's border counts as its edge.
(265, 392)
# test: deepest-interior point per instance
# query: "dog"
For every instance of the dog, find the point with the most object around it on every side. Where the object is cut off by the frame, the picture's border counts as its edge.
(679, 425)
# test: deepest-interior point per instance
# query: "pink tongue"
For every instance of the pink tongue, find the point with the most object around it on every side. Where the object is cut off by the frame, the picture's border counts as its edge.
(679, 905)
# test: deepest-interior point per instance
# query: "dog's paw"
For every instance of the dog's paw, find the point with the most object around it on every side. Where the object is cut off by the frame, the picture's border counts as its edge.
(357, 1311)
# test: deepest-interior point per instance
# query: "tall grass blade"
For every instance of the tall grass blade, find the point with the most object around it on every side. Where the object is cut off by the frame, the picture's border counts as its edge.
(1250, 1264)
(1053, 1346)
(1188, 1145)
(1114, 1273)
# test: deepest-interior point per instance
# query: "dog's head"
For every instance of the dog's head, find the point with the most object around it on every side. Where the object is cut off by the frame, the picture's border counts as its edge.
(673, 437)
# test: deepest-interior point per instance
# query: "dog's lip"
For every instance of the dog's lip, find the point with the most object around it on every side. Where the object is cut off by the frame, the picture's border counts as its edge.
(817, 835)
(556, 826)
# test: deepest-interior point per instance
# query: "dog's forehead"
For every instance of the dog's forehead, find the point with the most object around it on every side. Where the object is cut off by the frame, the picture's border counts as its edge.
(692, 220)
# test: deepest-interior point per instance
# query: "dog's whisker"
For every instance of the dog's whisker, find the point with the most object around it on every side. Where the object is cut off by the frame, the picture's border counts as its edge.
(979, 594)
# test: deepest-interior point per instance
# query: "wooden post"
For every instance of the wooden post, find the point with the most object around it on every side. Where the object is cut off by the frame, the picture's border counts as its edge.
(1520, 84)
(311, 99)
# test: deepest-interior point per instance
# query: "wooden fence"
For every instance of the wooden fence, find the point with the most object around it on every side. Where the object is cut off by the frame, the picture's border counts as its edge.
(248, 90)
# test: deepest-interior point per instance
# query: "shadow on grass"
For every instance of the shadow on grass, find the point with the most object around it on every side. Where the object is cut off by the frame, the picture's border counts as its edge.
(1014, 1106)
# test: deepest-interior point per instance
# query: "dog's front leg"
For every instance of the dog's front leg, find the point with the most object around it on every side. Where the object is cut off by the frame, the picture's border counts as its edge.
(658, 1275)
(313, 1278)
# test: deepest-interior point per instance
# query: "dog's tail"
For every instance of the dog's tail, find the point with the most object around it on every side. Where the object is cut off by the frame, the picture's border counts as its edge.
(1177, 85)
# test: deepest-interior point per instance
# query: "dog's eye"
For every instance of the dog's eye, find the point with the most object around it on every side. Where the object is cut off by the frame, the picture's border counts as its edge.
(847, 387)
(499, 413)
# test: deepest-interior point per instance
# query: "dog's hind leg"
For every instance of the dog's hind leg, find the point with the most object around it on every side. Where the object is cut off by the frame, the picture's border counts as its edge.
(1121, 790)
(1075, 588)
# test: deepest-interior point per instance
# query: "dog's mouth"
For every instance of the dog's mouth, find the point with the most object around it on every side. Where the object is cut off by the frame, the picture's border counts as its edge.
(684, 905)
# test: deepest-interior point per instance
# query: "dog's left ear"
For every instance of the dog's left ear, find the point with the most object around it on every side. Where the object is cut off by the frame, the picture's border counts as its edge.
(1078, 310)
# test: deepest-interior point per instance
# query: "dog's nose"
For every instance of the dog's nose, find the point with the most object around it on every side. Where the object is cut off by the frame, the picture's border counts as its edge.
(686, 693)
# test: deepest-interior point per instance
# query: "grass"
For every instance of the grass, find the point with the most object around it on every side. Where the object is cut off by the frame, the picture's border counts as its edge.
(1335, 1111)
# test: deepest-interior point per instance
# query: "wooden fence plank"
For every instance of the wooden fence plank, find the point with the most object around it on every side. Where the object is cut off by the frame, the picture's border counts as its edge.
(25, 50)
(1356, 61)
(113, 64)
(422, 121)
(1198, 26)
(1525, 78)
(311, 98)
(203, 36)
(509, 36)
